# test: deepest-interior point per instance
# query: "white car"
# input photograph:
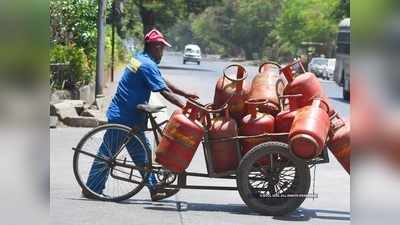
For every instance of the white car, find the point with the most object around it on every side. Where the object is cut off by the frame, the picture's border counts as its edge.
(330, 69)
(192, 53)
(318, 66)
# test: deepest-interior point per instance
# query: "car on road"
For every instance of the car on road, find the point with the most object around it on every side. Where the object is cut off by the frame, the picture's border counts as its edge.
(330, 69)
(192, 53)
(318, 66)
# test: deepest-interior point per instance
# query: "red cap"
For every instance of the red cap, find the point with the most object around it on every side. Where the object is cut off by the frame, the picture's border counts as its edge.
(155, 36)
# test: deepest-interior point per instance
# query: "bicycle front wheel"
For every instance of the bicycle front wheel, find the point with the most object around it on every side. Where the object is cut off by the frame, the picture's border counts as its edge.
(111, 163)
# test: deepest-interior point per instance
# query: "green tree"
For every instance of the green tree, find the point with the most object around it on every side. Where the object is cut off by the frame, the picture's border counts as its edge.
(157, 13)
(253, 22)
(306, 21)
(342, 10)
(237, 26)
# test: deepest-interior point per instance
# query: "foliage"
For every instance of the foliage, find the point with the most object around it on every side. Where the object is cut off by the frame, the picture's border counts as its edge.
(160, 14)
(342, 10)
(74, 32)
(306, 21)
(78, 70)
(237, 26)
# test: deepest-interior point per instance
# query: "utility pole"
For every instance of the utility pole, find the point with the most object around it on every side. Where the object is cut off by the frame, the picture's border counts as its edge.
(100, 47)
(112, 40)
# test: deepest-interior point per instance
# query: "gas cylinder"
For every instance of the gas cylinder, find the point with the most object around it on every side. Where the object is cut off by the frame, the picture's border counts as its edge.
(309, 130)
(339, 141)
(307, 85)
(264, 87)
(233, 91)
(181, 137)
(255, 123)
(225, 155)
(283, 123)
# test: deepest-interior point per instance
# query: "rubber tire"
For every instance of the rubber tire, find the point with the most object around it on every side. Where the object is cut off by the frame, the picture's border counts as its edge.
(302, 170)
(184, 61)
(82, 184)
(198, 62)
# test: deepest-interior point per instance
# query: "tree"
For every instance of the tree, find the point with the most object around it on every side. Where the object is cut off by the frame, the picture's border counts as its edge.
(160, 14)
(342, 10)
(306, 21)
(238, 26)
(253, 22)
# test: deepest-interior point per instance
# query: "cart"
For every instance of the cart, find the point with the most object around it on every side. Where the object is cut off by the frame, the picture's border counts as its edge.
(274, 188)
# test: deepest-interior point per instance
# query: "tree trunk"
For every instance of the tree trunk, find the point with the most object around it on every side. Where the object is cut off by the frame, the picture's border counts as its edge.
(148, 19)
(248, 54)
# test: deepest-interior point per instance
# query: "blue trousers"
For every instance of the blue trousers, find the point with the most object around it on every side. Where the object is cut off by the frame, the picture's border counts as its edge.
(112, 142)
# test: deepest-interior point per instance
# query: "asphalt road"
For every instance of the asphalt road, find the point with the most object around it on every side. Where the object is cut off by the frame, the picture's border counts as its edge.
(332, 184)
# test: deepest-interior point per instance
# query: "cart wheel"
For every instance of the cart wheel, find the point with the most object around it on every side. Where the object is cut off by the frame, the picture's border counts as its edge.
(274, 187)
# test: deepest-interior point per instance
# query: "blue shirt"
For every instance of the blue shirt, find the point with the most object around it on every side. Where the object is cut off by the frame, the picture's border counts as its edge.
(138, 80)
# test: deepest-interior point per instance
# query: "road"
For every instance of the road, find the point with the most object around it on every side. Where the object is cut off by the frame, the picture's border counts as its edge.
(189, 207)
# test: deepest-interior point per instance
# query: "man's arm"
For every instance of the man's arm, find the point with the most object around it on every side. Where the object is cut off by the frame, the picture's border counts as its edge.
(171, 97)
(180, 92)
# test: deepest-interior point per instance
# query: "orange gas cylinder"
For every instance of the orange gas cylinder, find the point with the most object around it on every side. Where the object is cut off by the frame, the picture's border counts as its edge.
(283, 123)
(225, 155)
(255, 123)
(307, 85)
(309, 130)
(233, 91)
(264, 87)
(181, 137)
(339, 141)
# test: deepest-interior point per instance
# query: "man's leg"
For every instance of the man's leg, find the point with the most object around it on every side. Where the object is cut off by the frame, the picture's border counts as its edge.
(140, 156)
(99, 171)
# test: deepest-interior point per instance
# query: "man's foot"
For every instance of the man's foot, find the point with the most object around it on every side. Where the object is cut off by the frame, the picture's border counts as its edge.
(161, 193)
(89, 195)
(86, 194)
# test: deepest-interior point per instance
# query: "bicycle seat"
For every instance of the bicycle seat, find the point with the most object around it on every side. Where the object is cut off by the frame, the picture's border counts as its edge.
(150, 108)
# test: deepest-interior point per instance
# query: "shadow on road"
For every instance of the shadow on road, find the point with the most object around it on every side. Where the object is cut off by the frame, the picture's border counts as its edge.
(301, 214)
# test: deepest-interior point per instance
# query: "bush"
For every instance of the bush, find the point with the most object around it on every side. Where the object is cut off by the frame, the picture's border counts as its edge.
(78, 73)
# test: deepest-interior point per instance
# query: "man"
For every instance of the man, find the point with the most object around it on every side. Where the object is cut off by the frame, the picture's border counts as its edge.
(139, 79)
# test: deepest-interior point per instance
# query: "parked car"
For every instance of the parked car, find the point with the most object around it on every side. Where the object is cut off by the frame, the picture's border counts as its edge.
(192, 53)
(318, 66)
(330, 69)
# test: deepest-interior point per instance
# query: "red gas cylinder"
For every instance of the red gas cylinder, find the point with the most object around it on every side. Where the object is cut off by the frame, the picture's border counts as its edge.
(255, 123)
(309, 130)
(283, 123)
(233, 91)
(339, 141)
(307, 85)
(264, 87)
(225, 156)
(181, 137)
